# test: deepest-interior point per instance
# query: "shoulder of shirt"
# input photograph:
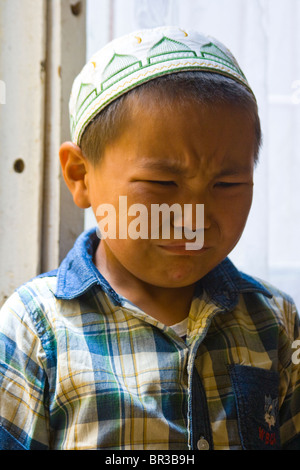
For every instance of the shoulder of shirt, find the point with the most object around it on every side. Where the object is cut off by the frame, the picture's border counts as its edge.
(33, 304)
(276, 292)
(245, 283)
(37, 292)
(44, 281)
(281, 306)
(258, 295)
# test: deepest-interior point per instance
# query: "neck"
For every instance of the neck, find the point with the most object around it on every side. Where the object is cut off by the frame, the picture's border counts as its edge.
(165, 304)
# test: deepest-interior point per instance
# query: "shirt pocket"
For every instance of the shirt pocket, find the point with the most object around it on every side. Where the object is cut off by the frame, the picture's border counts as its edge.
(256, 396)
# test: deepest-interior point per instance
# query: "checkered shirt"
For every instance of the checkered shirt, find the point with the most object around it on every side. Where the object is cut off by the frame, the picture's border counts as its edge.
(83, 368)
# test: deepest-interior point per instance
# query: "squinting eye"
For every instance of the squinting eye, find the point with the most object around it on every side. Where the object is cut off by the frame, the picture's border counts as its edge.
(163, 183)
(227, 185)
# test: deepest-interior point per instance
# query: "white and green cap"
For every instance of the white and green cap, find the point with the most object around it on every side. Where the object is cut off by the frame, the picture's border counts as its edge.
(131, 60)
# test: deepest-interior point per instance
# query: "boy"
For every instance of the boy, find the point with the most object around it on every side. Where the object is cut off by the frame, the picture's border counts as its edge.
(140, 342)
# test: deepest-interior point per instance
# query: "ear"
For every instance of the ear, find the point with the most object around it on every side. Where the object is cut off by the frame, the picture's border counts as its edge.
(74, 168)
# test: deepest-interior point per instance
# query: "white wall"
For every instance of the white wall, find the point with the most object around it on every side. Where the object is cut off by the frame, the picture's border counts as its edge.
(42, 47)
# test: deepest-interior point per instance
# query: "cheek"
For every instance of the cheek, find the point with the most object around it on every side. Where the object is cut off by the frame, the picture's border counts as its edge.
(234, 214)
(135, 258)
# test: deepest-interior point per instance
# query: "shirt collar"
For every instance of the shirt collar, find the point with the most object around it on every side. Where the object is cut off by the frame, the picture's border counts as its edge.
(225, 282)
(77, 274)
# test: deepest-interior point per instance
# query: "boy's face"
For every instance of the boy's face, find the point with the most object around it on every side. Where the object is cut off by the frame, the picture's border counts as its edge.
(187, 154)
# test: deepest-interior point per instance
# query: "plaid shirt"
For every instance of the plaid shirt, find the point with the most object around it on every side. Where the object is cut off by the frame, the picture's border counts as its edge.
(83, 368)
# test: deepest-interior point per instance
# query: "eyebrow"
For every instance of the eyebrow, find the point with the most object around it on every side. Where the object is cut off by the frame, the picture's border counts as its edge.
(162, 165)
(176, 169)
(233, 171)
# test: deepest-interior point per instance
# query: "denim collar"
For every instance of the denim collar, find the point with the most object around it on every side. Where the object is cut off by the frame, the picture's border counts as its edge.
(77, 274)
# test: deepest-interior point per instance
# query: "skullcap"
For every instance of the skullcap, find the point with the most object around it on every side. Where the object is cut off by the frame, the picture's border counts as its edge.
(134, 59)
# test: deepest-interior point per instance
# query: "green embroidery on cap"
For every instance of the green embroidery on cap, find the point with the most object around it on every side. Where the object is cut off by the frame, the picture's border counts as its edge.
(212, 52)
(87, 94)
(106, 82)
(119, 67)
(168, 49)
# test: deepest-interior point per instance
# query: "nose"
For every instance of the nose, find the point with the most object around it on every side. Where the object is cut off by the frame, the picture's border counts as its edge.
(194, 216)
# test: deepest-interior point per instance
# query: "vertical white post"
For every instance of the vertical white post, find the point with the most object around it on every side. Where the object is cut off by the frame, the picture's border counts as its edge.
(22, 59)
(43, 47)
(66, 54)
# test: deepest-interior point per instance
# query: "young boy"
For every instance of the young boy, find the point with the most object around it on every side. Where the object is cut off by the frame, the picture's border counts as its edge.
(154, 342)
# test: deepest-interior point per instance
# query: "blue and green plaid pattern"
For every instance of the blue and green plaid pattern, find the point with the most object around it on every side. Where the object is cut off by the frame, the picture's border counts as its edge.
(83, 368)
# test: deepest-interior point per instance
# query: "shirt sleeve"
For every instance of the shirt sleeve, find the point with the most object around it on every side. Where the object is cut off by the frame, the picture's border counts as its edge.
(23, 381)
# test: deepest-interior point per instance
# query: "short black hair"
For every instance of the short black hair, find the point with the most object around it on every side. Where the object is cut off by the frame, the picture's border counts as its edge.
(200, 86)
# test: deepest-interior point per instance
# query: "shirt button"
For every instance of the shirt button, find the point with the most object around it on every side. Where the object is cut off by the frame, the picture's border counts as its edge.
(202, 444)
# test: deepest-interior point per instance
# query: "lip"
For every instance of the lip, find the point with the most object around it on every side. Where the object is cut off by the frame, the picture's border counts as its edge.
(180, 249)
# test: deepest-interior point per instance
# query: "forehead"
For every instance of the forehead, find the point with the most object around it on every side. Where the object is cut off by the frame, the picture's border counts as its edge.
(178, 137)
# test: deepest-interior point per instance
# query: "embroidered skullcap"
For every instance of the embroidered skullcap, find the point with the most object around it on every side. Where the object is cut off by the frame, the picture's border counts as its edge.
(131, 60)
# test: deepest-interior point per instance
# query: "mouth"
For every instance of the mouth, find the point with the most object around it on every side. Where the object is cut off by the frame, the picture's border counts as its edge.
(181, 249)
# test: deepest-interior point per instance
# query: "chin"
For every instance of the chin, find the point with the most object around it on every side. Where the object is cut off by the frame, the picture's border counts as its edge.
(177, 278)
